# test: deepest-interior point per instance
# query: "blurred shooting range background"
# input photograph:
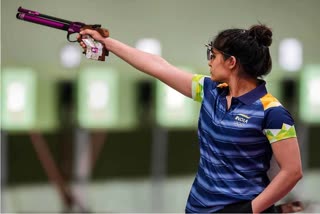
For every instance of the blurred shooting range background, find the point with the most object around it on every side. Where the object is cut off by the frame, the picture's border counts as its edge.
(82, 135)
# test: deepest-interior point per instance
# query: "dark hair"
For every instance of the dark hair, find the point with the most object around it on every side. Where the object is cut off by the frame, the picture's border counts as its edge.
(250, 47)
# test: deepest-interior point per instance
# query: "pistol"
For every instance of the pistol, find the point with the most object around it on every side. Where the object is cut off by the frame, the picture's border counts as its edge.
(95, 50)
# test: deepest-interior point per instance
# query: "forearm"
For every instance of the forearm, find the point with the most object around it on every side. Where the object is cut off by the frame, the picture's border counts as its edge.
(142, 61)
(280, 186)
(152, 65)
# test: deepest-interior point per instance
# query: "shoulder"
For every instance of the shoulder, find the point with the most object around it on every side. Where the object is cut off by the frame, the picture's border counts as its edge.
(203, 80)
(275, 111)
(278, 122)
(268, 101)
(200, 84)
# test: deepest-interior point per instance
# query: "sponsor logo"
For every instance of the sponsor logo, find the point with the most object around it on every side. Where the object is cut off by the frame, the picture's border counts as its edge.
(241, 119)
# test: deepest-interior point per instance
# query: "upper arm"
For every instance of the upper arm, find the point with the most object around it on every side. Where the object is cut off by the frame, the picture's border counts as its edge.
(280, 131)
(287, 154)
(176, 78)
(278, 124)
(191, 85)
(153, 65)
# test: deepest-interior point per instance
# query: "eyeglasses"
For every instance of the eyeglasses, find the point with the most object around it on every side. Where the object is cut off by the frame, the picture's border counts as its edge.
(210, 54)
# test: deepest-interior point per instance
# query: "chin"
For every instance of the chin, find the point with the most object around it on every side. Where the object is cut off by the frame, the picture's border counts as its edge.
(213, 78)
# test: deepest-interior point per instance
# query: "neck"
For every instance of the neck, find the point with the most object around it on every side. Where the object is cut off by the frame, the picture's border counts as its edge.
(241, 86)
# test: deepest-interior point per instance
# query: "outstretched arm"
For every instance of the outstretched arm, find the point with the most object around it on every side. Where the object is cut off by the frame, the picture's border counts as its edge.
(148, 63)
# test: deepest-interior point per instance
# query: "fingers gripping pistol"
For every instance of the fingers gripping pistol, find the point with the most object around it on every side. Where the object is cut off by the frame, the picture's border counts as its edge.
(95, 50)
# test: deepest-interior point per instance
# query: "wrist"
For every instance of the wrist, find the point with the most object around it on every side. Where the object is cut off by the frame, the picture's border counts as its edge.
(106, 43)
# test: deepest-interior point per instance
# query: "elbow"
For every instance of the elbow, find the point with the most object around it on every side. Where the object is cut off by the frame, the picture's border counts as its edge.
(293, 175)
(297, 174)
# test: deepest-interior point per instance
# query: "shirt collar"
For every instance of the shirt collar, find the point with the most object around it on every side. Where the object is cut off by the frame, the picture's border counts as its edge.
(249, 97)
(254, 94)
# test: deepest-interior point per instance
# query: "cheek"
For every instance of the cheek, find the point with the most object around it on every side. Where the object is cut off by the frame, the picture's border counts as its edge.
(216, 65)
(218, 61)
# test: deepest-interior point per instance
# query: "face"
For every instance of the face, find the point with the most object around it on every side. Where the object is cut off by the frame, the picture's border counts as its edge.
(219, 67)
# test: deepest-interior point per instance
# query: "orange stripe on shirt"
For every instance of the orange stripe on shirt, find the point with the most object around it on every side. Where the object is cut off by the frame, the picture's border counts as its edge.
(269, 101)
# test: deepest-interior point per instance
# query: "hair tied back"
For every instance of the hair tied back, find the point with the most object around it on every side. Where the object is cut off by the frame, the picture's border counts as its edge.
(262, 34)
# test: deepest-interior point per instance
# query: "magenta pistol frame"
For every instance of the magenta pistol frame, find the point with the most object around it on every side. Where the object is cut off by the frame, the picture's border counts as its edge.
(58, 23)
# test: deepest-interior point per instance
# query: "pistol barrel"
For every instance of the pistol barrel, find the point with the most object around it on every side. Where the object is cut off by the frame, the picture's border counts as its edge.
(50, 21)
(23, 10)
(35, 13)
(42, 21)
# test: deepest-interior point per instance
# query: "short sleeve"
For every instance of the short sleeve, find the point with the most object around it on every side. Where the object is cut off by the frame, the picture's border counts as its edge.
(278, 124)
(197, 87)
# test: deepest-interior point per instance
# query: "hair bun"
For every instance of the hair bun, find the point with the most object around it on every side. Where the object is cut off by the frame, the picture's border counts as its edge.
(262, 34)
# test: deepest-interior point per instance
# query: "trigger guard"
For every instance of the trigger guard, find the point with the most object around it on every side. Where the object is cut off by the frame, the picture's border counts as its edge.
(68, 37)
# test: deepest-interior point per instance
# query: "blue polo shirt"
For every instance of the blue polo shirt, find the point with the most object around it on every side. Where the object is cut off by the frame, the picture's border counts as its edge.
(235, 144)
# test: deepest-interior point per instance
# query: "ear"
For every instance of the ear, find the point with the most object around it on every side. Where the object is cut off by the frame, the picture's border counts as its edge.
(232, 62)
